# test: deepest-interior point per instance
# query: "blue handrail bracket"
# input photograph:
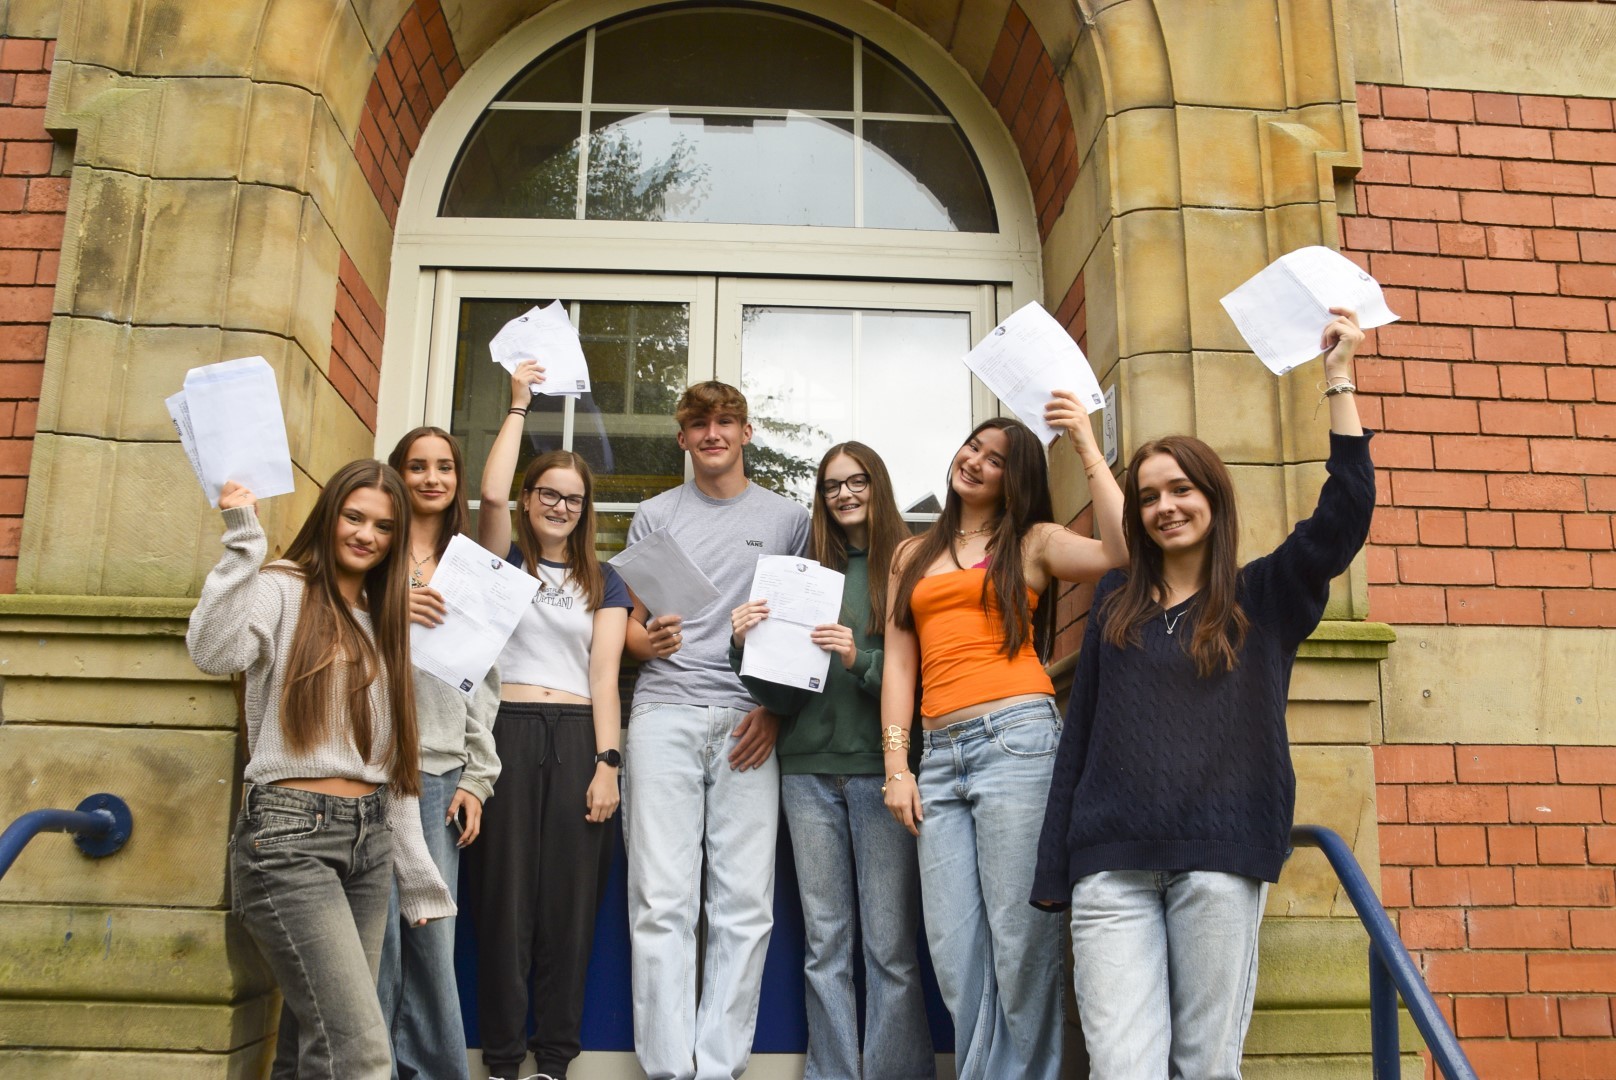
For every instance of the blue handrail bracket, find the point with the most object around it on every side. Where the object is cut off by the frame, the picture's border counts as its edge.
(100, 825)
(1392, 972)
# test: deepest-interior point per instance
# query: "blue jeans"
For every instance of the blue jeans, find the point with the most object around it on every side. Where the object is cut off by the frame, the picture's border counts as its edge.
(309, 877)
(984, 784)
(419, 997)
(849, 850)
(679, 795)
(1166, 971)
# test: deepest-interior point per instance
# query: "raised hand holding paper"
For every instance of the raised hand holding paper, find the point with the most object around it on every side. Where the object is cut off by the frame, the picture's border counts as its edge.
(1028, 357)
(1283, 310)
(230, 424)
(547, 336)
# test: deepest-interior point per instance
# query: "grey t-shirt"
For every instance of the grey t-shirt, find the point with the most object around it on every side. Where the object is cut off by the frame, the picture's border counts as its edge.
(724, 537)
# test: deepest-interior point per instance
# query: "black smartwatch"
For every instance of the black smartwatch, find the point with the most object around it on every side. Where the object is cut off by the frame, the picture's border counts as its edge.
(610, 757)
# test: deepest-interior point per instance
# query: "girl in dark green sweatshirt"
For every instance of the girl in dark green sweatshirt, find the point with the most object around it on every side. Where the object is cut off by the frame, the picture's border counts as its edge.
(854, 861)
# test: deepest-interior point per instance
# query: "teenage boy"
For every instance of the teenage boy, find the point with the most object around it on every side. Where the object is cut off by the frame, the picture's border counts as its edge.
(699, 766)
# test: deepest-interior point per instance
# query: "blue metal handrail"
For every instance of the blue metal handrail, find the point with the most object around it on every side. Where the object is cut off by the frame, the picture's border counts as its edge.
(100, 826)
(1391, 970)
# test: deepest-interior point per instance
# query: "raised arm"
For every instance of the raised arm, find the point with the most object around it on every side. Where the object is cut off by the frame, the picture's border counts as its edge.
(1340, 344)
(234, 622)
(1064, 553)
(494, 521)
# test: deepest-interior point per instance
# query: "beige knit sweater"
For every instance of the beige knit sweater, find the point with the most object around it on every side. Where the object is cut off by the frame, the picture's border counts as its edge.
(244, 622)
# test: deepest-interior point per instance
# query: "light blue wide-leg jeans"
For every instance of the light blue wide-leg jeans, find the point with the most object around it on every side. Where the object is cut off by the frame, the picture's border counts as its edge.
(679, 796)
(416, 987)
(1165, 971)
(853, 857)
(984, 784)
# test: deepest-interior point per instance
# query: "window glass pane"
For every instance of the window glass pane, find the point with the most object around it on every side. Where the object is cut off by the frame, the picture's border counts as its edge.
(817, 376)
(662, 167)
(559, 76)
(517, 163)
(746, 59)
(890, 89)
(638, 357)
(922, 176)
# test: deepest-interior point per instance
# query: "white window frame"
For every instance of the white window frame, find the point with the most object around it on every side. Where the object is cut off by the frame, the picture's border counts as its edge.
(1008, 261)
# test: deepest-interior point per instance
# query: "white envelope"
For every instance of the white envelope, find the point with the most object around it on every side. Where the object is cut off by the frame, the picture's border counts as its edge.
(237, 429)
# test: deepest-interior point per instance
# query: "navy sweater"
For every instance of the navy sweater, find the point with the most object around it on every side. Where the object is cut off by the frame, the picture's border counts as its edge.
(1161, 769)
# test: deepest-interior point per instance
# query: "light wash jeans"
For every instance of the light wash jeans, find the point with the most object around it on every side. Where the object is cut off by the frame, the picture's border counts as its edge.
(984, 784)
(853, 858)
(419, 997)
(309, 876)
(679, 796)
(1166, 971)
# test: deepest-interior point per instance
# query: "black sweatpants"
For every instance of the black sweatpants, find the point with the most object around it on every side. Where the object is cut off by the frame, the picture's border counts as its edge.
(536, 876)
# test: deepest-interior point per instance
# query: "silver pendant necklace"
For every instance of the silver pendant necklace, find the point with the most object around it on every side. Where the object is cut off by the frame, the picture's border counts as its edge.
(1173, 625)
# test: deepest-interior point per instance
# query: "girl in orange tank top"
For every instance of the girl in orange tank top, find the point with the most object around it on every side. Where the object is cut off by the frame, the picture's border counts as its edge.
(966, 623)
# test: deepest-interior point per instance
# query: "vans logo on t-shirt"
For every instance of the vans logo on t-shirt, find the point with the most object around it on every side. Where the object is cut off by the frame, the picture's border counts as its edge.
(754, 543)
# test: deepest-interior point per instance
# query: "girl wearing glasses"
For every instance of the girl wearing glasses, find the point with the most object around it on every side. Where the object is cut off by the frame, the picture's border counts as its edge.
(540, 868)
(855, 864)
(966, 597)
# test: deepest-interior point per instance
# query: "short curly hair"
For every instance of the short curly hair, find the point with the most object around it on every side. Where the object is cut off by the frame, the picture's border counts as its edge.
(710, 398)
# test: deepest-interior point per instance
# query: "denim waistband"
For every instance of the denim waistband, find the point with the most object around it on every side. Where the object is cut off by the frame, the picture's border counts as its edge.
(982, 727)
(260, 797)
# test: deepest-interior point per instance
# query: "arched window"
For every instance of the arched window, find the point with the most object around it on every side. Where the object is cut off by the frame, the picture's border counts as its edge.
(810, 200)
(712, 115)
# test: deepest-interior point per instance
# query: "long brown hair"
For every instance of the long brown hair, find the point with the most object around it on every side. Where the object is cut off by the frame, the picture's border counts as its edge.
(583, 565)
(1220, 624)
(827, 541)
(1025, 491)
(457, 518)
(329, 648)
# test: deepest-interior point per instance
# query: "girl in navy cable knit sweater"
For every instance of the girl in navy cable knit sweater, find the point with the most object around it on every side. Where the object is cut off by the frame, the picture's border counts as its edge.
(1170, 808)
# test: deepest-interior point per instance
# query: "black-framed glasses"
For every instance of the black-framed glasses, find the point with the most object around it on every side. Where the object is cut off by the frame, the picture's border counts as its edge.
(552, 497)
(855, 483)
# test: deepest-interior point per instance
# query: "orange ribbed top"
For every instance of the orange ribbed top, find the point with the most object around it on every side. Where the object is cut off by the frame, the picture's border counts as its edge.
(962, 658)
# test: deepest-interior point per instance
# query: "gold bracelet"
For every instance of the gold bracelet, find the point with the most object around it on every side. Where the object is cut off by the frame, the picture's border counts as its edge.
(897, 738)
(899, 775)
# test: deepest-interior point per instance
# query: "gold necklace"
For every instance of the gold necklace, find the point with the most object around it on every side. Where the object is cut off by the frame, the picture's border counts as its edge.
(964, 535)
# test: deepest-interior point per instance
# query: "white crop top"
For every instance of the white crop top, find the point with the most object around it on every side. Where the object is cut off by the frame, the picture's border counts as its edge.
(550, 646)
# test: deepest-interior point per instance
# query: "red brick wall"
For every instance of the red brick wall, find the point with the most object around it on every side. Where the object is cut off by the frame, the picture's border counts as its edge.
(1500, 863)
(1491, 220)
(412, 78)
(33, 208)
(414, 75)
(1023, 84)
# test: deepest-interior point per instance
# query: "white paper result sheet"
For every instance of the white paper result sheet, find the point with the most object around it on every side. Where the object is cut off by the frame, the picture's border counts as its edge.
(1028, 357)
(485, 596)
(237, 429)
(661, 574)
(802, 594)
(1282, 310)
(546, 336)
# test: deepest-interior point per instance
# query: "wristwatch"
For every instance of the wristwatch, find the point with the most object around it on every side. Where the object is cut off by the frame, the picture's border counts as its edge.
(610, 757)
